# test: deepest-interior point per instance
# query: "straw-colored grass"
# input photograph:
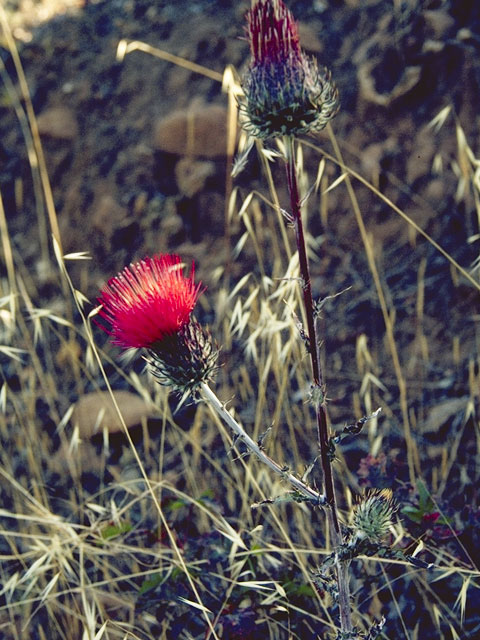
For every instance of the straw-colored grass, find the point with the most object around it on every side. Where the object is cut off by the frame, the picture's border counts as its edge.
(176, 509)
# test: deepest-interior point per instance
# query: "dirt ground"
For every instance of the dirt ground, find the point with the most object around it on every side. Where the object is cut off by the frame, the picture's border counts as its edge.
(127, 181)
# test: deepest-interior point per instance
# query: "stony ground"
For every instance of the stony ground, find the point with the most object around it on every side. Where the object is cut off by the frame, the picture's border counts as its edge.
(135, 152)
(128, 181)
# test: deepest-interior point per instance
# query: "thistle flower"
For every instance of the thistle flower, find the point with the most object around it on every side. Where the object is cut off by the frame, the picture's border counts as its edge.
(373, 514)
(149, 305)
(285, 92)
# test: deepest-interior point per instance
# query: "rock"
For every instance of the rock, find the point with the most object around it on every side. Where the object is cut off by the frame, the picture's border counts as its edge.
(443, 412)
(435, 191)
(200, 130)
(76, 460)
(68, 355)
(58, 122)
(96, 411)
(420, 160)
(368, 90)
(176, 83)
(373, 156)
(438, 23)
(191, 175)
(107, 214)
(383, 75)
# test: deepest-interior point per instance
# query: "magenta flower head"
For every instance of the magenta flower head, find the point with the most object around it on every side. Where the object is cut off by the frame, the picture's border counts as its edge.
(149, 305)
(285, 92)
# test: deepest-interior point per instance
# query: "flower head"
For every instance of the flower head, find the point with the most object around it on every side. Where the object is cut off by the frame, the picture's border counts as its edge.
(373, 514)
(149, 305)
(147, 301)
(285, 92)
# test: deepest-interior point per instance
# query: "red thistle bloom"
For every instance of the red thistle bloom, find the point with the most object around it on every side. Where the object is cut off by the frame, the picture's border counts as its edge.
(149, 305)
(286, 94)
(148, 301)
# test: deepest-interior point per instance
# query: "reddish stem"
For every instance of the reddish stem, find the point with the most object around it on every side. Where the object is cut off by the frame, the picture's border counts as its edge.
(322, 427)
(318, 383)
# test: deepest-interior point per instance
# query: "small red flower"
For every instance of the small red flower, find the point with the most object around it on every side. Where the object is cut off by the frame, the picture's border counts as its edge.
(148, 301)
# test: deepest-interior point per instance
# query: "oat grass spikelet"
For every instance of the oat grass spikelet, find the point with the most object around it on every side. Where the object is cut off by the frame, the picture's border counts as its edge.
(149, 305)
(285, 92)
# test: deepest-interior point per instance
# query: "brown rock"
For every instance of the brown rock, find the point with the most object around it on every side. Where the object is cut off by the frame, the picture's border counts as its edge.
(438, 23)
(96, 411)
(372, 63)
(435, 191)
(439, 415)
(371, 158)
(68, 355)
(58, 122)
(200, 130)
(373, 155)
(177, 81)
(106, 214)
(192, 174)
(420, 160)
(74, 460)
(408, 80)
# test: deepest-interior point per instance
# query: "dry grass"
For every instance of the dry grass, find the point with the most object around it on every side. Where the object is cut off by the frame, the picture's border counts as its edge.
(77, 563)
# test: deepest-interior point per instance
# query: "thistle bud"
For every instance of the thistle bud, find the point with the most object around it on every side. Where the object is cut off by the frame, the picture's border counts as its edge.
(373, 514)
(285, 92)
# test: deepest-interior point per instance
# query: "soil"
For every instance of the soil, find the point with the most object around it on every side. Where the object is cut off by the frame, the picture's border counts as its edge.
(122, 190)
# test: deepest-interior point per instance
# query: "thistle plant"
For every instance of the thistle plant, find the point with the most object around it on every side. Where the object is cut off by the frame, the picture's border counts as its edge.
(149, 305)
(285, 92)
(373, 515)
(286, 96)
(148, 301)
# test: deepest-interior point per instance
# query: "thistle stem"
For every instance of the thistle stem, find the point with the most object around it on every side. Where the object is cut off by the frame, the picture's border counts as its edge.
(318, 385)
(254, 447)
